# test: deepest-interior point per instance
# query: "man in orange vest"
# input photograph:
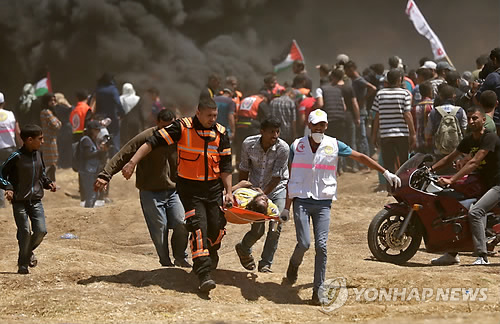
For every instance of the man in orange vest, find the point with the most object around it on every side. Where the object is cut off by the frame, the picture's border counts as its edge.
(253, 110)
(80, 115)
(204, 170)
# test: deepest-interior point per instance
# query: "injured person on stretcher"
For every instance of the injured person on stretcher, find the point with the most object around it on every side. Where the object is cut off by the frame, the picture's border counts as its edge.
(252, 205)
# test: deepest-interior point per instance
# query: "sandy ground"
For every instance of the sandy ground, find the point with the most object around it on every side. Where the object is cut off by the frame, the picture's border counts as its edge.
(111, 272)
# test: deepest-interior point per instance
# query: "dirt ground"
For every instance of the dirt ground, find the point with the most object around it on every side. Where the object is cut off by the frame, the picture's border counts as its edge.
(111, 272)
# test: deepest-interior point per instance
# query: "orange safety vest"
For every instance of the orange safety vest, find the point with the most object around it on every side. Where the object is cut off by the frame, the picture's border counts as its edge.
(193, 155)
(250, 107)
(77, 117)
(237, 99)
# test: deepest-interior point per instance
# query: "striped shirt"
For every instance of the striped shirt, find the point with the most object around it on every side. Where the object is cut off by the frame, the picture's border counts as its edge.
(50, 128)
(283, 109)
(391, 104)
(263, 166)
(435, 83)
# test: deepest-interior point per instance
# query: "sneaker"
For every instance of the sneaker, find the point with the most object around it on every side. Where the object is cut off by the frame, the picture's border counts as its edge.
(315, 299)
(82, 203)
(33, 260)
(99, 203)
(214, 257)
(23, 269)
(265, 269)
(183, 263)
(246, 260)
(446, 259)
(292, 273)
(206, 283)
(480, 261)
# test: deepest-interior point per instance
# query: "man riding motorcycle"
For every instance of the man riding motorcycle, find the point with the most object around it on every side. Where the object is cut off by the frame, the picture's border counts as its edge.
(483, 149)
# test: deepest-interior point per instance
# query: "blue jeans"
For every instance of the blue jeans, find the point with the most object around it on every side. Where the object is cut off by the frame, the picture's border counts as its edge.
(319, 212)
(361, 138)
(477, 219)
(86, 183)
(350, 137)
(257, 231)
(163, 211)
(24, 211)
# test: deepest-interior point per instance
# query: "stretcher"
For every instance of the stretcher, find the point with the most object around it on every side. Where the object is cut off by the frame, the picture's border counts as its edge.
(238, 215)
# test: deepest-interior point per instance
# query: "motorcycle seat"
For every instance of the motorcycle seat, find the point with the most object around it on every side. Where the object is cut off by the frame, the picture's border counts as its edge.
(448, 192)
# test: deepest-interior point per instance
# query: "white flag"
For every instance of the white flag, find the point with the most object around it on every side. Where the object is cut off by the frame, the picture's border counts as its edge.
(424, 29)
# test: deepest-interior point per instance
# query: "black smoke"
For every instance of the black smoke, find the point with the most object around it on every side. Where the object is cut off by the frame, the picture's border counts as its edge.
(171, 44)
(175, 44)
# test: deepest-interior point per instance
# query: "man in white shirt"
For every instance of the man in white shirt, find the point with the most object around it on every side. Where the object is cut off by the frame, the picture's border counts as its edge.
(312, 187)
(9, 132)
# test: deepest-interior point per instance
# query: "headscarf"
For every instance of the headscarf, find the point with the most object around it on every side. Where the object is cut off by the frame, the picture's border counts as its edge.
(27, 97)
(61, 100)
(128, 98)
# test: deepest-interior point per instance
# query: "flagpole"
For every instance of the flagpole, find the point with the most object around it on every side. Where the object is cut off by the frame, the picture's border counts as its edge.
(449, 61)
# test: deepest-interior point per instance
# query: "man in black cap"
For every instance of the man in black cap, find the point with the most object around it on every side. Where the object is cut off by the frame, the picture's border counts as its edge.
(203, 171)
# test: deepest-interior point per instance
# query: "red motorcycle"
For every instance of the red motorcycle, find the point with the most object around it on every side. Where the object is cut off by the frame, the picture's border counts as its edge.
(426, 210)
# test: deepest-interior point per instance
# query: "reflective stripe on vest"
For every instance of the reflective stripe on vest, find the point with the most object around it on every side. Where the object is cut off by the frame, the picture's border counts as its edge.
(314, 175)
(198, 158)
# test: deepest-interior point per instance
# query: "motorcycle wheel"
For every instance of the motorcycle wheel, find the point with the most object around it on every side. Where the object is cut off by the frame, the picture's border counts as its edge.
(383, 241)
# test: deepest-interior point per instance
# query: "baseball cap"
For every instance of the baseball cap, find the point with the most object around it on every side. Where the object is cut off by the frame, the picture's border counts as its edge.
(429, 65)
(444, 66)
(317, 116)
(2, 99)
(94, 124)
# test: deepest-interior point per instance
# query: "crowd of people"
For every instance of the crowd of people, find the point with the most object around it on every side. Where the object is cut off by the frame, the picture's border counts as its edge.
(288, 142)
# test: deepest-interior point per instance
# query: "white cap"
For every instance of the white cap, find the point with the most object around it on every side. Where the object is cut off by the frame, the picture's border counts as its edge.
(1, 98)
(342, 58)
(429, 65)
(317, 116)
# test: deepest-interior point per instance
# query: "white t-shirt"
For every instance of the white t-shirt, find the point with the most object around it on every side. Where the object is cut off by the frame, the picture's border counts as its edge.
(7, 129)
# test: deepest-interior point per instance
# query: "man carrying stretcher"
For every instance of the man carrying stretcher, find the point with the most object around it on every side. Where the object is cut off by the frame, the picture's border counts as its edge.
(252, 206)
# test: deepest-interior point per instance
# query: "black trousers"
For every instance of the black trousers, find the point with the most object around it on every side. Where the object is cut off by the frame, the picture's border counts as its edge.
(394, 151)
(202, 201)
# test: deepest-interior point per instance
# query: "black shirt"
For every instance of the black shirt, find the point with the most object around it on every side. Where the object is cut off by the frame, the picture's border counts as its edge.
(489, 168)
(24, 173)
(348, 94)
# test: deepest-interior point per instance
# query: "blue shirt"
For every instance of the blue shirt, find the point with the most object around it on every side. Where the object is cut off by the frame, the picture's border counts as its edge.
(107, 100)
(225, 107)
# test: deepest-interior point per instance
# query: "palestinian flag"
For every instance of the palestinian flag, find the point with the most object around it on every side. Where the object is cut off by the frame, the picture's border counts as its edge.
(291, 53)
(43, 86)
